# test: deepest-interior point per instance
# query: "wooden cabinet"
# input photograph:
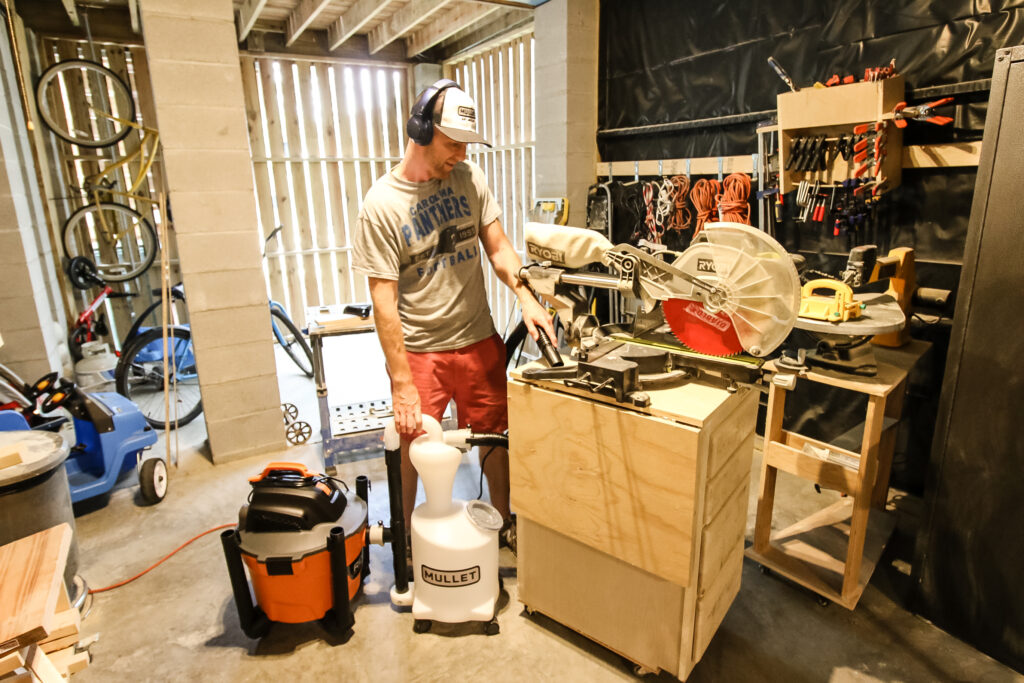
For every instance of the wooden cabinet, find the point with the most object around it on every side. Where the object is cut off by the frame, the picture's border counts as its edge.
(631, 523)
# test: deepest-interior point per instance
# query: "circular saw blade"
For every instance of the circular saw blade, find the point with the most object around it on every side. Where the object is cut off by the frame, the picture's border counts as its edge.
(710, 333)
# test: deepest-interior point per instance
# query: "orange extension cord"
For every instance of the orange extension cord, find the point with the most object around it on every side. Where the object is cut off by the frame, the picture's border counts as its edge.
(734, 202)
(704, 196)
(681, 214)
(157, 564)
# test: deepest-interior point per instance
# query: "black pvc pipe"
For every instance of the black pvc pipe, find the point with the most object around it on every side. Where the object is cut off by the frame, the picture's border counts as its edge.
(342, 618)
(393, 462)
(363, 491)
(255, 623)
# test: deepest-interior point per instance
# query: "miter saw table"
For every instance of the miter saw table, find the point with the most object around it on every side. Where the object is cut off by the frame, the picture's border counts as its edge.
(631, 517)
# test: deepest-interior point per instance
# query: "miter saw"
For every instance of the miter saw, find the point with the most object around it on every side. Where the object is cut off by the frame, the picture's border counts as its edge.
(714, 310)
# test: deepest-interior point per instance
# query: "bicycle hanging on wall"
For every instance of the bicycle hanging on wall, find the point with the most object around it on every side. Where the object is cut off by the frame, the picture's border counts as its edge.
(87, 105)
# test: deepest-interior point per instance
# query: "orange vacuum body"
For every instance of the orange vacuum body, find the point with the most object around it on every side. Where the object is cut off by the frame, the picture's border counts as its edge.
(302, 538)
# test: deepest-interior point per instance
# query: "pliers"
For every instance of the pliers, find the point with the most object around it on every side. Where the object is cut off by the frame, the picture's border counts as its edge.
(923, 112)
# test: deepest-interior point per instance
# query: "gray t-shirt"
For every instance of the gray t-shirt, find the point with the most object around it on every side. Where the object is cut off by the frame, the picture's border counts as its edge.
(426, 236)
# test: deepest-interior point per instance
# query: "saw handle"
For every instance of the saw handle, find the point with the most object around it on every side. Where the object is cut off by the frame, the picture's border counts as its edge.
(548, 349)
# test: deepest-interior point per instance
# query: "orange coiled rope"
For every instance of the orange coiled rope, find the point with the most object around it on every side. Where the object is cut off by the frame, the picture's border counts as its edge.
(734, 201)
(704, 196)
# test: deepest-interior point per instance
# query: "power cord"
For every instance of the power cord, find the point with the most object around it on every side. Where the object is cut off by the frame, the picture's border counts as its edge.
(704, 196)
(161, 561)
(482, 461)
(734, 201)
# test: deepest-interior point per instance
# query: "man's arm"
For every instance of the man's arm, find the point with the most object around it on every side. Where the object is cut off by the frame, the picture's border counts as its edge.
(507, 264)
(405, 399)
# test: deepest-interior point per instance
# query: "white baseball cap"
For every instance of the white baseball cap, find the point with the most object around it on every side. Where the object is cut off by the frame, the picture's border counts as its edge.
(455, 116)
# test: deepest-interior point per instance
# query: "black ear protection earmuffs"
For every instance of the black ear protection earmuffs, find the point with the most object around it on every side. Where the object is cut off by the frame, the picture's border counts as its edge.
(420, 126)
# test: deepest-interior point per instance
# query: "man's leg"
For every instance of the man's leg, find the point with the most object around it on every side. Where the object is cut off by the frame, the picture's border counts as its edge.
(496, 471)
(431, 375)
(481, 397)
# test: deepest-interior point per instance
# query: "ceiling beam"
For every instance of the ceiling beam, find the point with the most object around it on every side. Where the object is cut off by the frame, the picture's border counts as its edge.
(353, 20)
(69, 7)
(447, 26)
(301, 17)
(515, 22)
(133, 12)
(248, 13)
(403, 21)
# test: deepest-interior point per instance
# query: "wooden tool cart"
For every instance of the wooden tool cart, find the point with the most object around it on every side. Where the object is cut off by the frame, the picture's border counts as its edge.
(631, 522)
(834, 551)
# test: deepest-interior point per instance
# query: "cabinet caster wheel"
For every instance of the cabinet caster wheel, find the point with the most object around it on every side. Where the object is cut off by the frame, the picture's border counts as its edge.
(641, 671)
(764, 570)
(421, 625)
(824, 602)
(492, 628)
(529, 611)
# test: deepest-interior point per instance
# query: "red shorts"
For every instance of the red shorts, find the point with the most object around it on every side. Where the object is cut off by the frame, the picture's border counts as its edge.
(473, 375)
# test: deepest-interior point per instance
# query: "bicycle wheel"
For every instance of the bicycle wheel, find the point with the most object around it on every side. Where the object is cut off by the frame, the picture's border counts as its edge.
(140, 376)
(291, 339)
(80, 101)
(115, 237)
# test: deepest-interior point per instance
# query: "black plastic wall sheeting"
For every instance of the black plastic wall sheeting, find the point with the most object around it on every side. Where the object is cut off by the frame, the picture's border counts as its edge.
(663, 61)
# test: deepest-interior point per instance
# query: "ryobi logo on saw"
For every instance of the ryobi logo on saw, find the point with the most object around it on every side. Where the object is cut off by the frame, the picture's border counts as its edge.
(450, 579)
(540, 253)
(705, 265)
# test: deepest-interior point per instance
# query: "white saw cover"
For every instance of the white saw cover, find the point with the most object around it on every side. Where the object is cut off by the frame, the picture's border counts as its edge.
(565, 246)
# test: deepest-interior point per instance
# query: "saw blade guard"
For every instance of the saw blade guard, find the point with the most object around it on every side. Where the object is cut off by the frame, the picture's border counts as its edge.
(759, 285)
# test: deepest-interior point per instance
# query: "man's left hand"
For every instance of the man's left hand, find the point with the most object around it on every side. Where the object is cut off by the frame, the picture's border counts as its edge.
(535, 315)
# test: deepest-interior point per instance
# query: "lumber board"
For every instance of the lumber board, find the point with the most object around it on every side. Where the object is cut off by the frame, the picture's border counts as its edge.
(315, 232)
(68, 661)
(305, 286)
(10, 455)
(11, 662)
(459, 17)
(53, 645)
(715, 601)
(262, 170)
(352, 196)
(40, 665)
(66, 623)
(31, 580)
(282, 187)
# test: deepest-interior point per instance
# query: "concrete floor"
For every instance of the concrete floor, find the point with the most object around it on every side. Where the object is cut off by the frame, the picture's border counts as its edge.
(179, 622)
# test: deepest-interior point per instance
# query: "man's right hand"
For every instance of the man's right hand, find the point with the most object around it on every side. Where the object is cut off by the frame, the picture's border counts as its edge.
(405, 402)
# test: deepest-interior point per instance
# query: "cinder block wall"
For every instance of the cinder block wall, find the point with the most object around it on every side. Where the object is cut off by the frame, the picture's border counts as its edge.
(566, 101)
(31, 314)
(193, 61)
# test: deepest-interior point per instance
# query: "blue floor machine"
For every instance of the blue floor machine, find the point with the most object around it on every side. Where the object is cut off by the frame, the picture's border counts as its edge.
(111, 434)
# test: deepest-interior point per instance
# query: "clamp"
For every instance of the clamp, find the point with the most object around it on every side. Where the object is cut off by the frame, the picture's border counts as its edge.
(901, 113)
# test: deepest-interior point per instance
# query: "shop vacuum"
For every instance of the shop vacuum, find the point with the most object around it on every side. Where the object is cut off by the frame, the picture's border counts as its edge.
(303, 538)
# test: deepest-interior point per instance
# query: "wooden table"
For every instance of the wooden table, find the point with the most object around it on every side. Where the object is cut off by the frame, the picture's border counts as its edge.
(631, 521)
(834, 551)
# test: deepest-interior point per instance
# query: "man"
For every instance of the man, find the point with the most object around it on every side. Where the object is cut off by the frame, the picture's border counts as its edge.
(418, 240)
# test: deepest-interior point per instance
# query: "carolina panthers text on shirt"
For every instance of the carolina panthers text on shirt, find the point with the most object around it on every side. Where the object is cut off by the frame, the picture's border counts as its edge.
(436, 210)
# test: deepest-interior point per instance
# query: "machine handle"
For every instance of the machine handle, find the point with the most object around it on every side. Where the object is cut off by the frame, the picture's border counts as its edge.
(834, 286)
(281, 467)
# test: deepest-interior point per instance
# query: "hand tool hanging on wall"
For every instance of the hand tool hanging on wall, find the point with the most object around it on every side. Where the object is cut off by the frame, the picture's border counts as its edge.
(923, 112)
